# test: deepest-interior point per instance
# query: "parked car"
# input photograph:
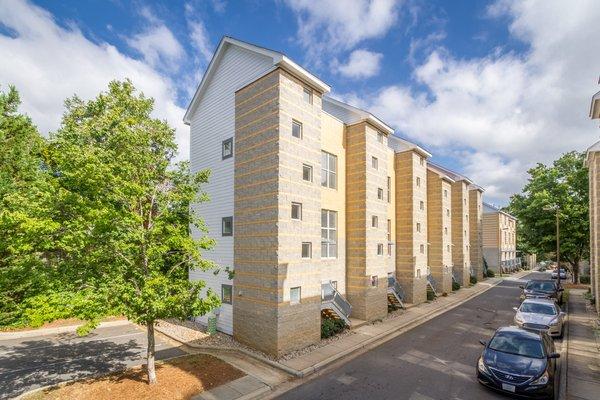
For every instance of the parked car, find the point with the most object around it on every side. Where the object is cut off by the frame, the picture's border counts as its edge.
(520, 362)
(563, 274)
(540, 314)
(542, 288)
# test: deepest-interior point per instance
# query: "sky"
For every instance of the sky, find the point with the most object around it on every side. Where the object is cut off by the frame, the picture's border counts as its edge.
(490, 88)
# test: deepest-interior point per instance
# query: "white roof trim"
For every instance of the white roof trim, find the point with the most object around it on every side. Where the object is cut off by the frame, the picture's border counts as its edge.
(455, 176)
(440, 172)
(363, 115)
(411, 147)
(278, 59)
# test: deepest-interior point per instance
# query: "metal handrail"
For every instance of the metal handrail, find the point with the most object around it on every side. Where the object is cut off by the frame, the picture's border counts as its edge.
(431, 281)
(395, 286)
(330, 294)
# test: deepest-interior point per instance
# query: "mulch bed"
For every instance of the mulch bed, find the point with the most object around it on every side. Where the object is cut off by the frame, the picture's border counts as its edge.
(179, 378)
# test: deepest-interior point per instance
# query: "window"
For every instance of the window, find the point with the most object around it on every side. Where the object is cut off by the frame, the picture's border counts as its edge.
(308, 95)
(297, 211)
(418, 181)
(465, 233)
(447, 212)
(380, 249)
(419, 273)
(421, 160)
(227, 148)
(374, 221)
(465, 201)
(467, 217)
(328, 234)
(295, 295)
(226, 292)
(380, 193)
(445, 193)
(389, 189)
(296, 129)
(389, 249)
(374, 162)
(422, 249)
(389, 230)
(306, 250)
(328, 170)
(445, 230)
(418, 227)
(307, 172)
(380, 137)
(227, 226)
(374, 281)
(448, 248)
(422, 205)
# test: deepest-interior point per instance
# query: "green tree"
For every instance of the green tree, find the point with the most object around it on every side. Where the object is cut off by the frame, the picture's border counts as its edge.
(125, 213)
(563, 184)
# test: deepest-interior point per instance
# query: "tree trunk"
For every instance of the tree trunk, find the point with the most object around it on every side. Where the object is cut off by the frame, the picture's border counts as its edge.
(150, 356)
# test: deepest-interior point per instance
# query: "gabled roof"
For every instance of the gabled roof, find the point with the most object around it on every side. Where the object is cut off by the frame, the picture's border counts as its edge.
(493, 209)
(474, 186)
(352, 115)
(454, 175)
(435, 168)
(279, 60)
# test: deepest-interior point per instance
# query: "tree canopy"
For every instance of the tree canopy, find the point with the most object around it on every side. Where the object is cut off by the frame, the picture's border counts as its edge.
(564, 184)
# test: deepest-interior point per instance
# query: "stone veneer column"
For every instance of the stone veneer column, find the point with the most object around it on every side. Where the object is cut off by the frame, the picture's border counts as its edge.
(411, 263)
(362, 184)
(439, 230)
(267, 243)
(461, 257)
(475, 226)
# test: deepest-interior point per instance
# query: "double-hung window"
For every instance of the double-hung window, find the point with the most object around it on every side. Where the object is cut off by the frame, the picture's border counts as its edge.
(328, 170)
(328, 234)
(227, 226)
(296, 129)
(227, 148)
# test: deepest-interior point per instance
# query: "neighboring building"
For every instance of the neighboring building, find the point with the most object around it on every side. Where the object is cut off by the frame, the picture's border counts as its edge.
(499, 239)
(439, 230)
(593, 164)
(314, 204)
(476, 229)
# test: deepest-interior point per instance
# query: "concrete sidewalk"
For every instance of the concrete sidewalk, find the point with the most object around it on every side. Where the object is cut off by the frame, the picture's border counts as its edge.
(583, 349)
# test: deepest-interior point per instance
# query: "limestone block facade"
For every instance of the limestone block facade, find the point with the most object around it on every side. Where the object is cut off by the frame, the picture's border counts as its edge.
(499, 239)
(475, 230)
(439, 230)
(461, 257)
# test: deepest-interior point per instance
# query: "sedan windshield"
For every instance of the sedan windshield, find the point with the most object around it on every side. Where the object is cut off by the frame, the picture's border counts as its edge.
(546, 309)
(507, 342)
(541, 286)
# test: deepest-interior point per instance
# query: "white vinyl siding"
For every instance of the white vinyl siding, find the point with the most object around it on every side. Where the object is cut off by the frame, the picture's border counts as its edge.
(212, 122)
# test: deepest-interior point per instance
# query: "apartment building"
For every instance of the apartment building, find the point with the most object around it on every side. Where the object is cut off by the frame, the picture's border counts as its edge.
(499, 239)
(593, 164)
(476, 229)
(316, 206)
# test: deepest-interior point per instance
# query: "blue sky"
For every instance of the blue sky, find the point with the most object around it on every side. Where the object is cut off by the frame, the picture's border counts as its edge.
(489, 87)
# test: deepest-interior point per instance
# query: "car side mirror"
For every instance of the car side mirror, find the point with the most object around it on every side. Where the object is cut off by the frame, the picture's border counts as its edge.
(483, 342)
(521, 287)
(554, 355)
(515, 308)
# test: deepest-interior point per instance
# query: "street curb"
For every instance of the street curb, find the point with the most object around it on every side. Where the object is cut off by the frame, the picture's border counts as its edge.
(60, 329)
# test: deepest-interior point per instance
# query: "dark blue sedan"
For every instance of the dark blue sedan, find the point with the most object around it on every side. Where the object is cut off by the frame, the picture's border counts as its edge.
(520, 362)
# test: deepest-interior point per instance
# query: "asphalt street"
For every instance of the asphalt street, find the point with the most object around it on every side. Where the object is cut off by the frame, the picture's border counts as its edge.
(436, 360)
(32, 362)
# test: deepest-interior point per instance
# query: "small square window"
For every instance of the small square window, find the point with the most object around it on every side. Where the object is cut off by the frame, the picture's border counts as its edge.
(226, 292)
(418, 227)
(418, 181)
(421, 205)
(297, 211)
(227, 226)
(374, 221)
(307, 172)
(380, 137)
(308, 95)
(374, 162)
(296, 129)
(227, 148)
(380, 249)
(306, 250)
(422, 249)
(295, 295)
(380, 193)
(374, 281)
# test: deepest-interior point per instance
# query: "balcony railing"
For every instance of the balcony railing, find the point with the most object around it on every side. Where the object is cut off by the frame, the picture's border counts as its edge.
(333, 300)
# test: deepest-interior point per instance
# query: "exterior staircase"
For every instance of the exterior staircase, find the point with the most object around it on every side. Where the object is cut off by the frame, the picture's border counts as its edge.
(431, 285)
(395, 294)
(333, 304)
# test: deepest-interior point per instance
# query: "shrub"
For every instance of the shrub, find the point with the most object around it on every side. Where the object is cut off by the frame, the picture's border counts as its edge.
(430, 295)
(473, 279)
(490, 273)
(330, 327)
(455, 286)
(585, 279)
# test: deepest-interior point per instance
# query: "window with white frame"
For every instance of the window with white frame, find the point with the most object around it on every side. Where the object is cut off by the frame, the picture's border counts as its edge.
(296, 129)
(307, 172)
(328, 170)
(380, 249)
(227, 148)
(295, 295)
(308, 95)
(374, 162)
(374, 221)
(380, 193)
(306, 250)
(328, 234)
(297, 211)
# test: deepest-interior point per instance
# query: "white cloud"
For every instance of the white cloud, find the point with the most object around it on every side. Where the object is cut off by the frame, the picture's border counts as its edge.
(157, 44)
(361, 64)
(48, 63)
(507, 110)
(334, 26)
